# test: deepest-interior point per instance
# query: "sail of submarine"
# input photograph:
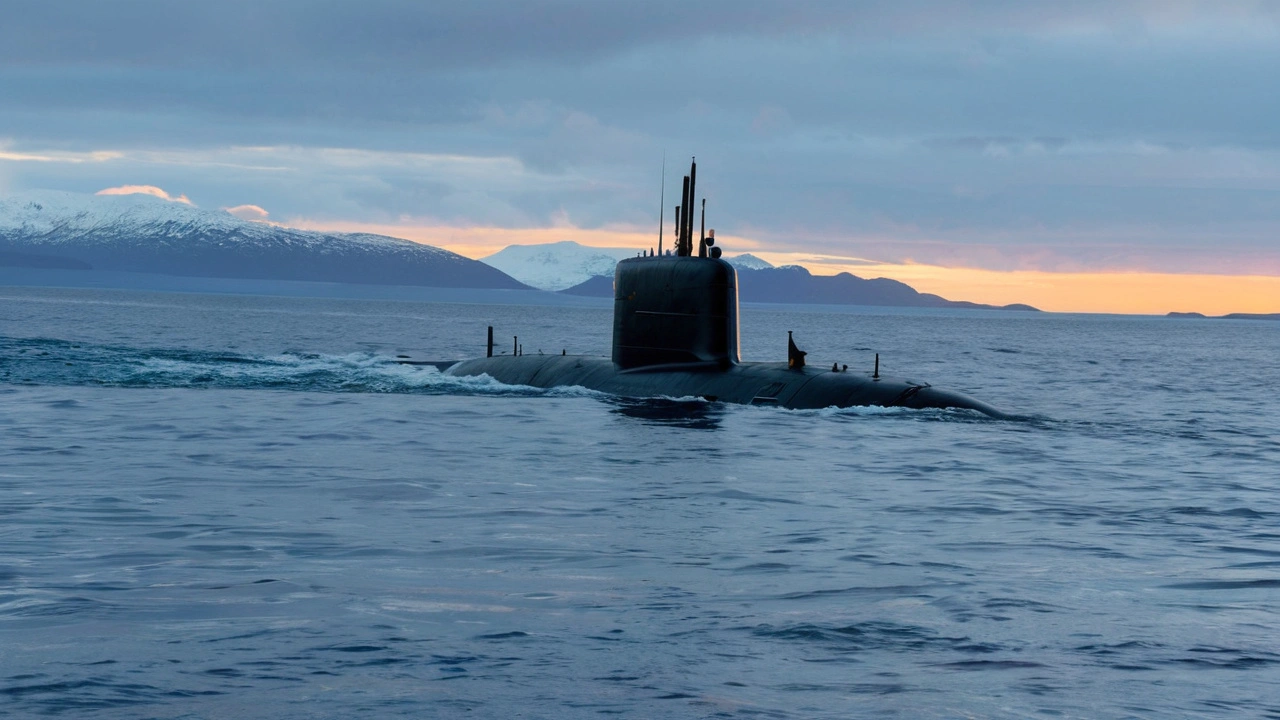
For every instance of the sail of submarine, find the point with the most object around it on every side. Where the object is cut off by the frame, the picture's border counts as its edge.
(675, 334)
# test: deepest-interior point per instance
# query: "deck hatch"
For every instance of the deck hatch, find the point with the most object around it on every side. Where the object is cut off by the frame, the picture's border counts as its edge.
(768, 394)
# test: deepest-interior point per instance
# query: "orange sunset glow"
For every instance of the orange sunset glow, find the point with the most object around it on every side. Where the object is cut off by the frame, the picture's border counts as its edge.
(1125, 292)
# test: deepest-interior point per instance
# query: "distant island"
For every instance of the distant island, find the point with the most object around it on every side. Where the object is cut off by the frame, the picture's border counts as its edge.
(1228, 316)
(794, 284)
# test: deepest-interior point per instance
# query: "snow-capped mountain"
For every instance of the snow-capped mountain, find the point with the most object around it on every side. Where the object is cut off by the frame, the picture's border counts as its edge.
(140, 233)
(556, 266)
(562, 265)
(747, 261)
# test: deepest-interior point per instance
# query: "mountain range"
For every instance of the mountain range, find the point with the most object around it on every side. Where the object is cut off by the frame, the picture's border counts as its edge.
(574, 269)
(145, 234)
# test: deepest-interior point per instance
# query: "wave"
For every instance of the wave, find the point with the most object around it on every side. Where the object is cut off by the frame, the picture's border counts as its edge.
(38, 361)
(45, 361)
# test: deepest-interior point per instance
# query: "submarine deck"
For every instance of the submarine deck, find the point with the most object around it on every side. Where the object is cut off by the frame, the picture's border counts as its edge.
(751, 383)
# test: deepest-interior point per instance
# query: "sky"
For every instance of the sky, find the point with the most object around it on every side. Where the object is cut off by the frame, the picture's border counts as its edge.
(1110, 156)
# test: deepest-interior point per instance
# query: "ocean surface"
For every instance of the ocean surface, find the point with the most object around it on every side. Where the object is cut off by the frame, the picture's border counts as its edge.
(218, 506)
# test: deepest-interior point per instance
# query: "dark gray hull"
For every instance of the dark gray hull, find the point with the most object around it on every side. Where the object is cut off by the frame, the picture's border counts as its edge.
(745, 383)
(675, 334)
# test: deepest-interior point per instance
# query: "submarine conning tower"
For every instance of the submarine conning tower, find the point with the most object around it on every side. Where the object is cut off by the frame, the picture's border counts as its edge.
(677, 308)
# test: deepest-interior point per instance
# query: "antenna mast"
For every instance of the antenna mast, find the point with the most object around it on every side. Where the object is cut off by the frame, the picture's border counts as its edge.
(662, 200)
(685, 208)
(688, 223)
(702, 243)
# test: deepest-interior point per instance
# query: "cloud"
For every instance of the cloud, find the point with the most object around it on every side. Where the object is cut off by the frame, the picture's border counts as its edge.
(1099, 134)
(284, 35)
(55, 156)
(252, 213)
(144, 190)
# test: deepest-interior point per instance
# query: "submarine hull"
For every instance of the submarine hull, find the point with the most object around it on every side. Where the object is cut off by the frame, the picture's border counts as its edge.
(676, 334)
(751, 383)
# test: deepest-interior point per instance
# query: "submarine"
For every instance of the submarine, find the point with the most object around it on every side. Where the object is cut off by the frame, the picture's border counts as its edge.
(676, 334)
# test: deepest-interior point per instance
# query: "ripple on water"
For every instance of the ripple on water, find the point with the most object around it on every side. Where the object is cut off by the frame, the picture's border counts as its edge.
(236, 507)
(873, 635)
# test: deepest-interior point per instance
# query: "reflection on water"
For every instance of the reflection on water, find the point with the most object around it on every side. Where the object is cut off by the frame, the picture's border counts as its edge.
(689, 414)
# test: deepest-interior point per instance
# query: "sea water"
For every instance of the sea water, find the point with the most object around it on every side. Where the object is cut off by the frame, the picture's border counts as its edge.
(225, 506)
